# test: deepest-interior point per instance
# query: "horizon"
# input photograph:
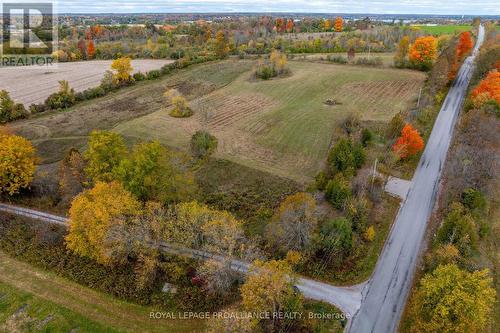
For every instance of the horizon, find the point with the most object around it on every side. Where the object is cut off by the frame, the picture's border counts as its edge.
(379, 7)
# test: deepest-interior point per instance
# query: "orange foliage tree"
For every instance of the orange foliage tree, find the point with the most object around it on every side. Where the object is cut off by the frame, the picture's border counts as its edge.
(409, 143)
(338, 24)
(464, 44)
(488, 89)
(289, 25)
(423, 52)
(90, 49)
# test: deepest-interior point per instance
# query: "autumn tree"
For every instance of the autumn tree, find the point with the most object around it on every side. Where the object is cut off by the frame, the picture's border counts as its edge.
(151, 172)
(122, 70)
(409, 143)
(328, 25)
(92, 216)
(289, 25)
(221, 47)
(401, 57)
(487, 90)
(17, 163)
(179, 103)
(423, 52)
(269, 288)
(338, 24)
(293, 223)
(90, 49)
(104, 153)
(452, 300)
(465, 44)
(82, 47)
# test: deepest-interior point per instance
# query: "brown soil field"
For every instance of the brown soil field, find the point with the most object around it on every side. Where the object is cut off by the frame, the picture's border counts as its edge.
(30, 85)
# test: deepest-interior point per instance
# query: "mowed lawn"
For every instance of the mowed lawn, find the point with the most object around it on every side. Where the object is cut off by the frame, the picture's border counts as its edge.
(283, 125)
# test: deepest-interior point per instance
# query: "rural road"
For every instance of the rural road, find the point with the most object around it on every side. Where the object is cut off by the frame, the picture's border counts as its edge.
(347, 299)
(385, 294)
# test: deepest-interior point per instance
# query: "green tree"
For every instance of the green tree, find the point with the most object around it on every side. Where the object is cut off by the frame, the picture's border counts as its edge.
(105, 152)
(152, 172)
(346, 157)
(17, 163)
(452, 300)
(9, 110)
(203, 144)
(335, 240)
(338, 191)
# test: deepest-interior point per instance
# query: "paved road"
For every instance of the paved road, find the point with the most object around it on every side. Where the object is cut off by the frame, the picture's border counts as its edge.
(347, 299)
(385, 295)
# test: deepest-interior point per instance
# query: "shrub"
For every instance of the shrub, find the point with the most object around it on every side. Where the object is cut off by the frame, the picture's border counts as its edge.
(338, 191)
(37, 108)
(369, 234)
(321, 180)
(337, 59)
(376, 62)
(9, 110)
(275, 66)
(357, 211)
(334, 242)
(62, 99)
(153, 75)
(139, 77)
(459, 229)
(366, 137)
(203, 144)
(90, 93)
(474, 200)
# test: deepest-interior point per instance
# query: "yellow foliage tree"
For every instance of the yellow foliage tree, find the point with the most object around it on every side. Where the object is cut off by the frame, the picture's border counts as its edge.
(401, 56)
(452, 300)
(269, 286)
(278, 61)
(294, 222)
(122, 68)
(105, 152)
(221, 47)
(93, 215)
(17, 163)
(180, 105)
(338, 24)
(369, 234)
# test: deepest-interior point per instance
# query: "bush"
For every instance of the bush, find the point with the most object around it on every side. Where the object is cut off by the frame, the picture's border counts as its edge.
(275, 66)
(9, 110)
(474, 200)
(153, 75)
(203, 144)
(37, 108)
(366, 137)
(335, 240)
(139, 77)
(357, 212)
(90, 93)
(338, 191)
(376, 62)
(62, 99)
(337, 59)
(460, 230)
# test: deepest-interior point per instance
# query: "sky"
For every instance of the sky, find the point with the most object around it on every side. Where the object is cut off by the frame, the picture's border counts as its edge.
(450, 7)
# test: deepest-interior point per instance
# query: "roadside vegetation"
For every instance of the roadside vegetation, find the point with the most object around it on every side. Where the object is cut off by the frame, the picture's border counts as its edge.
(460, 268)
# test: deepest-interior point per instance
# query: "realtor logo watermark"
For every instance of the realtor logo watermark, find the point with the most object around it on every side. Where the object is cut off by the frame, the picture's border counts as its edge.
(28, 34)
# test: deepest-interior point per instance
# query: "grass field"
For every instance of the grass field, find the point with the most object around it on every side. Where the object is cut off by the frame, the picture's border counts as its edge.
(387, 57)
(33, 300)
(438, 30)
(283, 125)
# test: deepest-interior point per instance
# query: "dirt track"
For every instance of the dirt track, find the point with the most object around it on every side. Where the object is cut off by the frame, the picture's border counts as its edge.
(33, 85)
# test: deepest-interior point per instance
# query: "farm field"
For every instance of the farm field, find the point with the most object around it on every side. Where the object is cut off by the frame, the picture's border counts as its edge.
(33, 85)
(283, 125)
(443, 29)
(387, 57)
